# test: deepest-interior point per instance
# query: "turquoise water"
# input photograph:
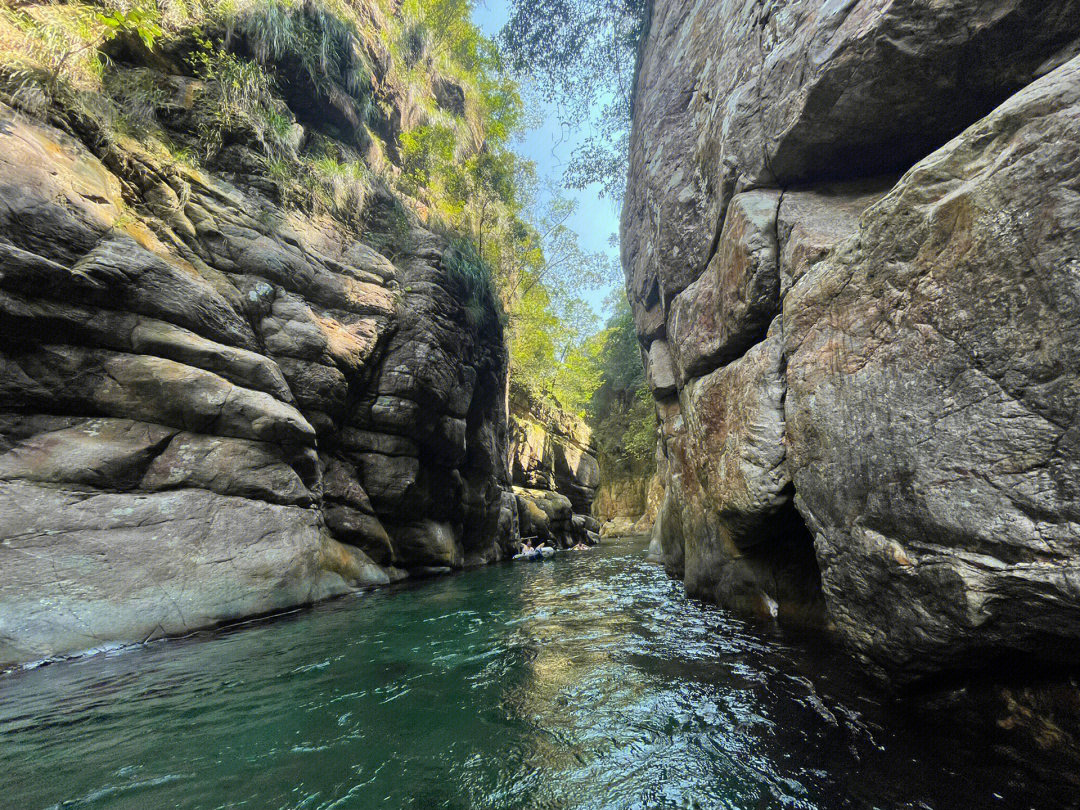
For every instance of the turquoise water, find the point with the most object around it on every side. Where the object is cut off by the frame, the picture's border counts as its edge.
(590, 681)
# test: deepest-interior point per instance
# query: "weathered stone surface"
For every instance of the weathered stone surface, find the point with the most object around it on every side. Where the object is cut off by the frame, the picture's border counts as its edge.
(811, 222)
(729, 307)
(106, 453)
(219, 407)
(548, 517)
(727, 525)
(735, 440)
(229, 467)
(551, 449)
(660, 370)
(934, 392)
(917, 400)
(623, 498)
(360, 529)
(110, 568)
(733, 95)
(428, 543)
(628, 506)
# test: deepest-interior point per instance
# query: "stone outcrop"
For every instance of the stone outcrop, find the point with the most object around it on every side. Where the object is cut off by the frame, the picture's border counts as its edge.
(867, 381)
(554, 471)
(628, 506)
(214, 406)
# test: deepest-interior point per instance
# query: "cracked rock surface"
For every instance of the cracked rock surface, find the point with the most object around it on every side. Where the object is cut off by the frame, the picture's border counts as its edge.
(854, 229)
(225, 408)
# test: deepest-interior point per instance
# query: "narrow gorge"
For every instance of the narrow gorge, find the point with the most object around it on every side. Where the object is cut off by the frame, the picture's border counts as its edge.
(340, 467)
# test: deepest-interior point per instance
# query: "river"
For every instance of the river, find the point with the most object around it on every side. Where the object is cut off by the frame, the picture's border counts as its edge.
(590, 681)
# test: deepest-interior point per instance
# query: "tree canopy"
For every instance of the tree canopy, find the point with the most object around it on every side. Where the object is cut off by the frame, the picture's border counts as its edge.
(582, 53)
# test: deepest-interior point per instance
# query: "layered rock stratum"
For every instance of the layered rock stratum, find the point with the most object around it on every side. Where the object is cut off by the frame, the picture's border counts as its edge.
(215, 404)
(554, 471)
(851, 241)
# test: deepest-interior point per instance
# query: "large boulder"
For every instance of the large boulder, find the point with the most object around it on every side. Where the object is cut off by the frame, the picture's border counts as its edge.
(547, 517)
(88, 569)
(729, 307)
(728, 527)
(934, 373)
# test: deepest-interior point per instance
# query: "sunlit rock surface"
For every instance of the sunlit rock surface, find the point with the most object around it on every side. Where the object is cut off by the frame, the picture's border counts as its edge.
(222, 409)
(855, 228)
(554, 470)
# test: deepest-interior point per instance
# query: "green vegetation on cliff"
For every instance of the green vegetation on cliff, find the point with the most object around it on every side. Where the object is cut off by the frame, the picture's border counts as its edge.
(621, 410)
(368, 112)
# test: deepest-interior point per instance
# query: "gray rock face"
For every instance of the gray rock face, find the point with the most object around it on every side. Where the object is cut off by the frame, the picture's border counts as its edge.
(897, 455)
(222, 409)
(933, 407)
(550, 453)
(729, 307)
(734, 95)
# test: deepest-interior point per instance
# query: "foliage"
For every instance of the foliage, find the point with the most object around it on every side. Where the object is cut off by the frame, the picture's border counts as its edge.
(342, 189)
(465, 267)
(240, 102)
(621, 412)
(57, 40)
(373, 112)
(316, 38)
(583, 54)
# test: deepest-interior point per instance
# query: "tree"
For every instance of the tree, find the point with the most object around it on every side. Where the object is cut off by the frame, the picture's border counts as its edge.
(584, 54)
(621, 411)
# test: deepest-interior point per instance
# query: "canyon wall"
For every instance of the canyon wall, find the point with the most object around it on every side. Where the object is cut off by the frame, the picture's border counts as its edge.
(851, 241)
(554, 471)
(216, 404)
(627, 506)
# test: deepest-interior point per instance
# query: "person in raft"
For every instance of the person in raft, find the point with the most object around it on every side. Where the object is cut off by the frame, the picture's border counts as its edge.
(581, 547)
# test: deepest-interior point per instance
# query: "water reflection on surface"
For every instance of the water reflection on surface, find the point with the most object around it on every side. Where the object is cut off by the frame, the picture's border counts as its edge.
(587, 682)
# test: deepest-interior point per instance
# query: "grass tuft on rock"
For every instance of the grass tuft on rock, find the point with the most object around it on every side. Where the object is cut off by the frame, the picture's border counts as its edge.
(466, 269)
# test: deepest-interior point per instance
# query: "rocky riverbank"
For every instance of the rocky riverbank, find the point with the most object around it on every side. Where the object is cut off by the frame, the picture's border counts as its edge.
(554, 471)
(851, 242)
(218, 402)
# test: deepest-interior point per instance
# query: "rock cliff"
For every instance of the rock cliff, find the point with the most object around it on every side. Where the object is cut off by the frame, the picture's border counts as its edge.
(217, 404)
(851, 242)
(628, 505)
(554, 471)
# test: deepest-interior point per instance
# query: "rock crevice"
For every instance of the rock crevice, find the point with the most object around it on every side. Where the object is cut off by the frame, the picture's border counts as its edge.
(871, 420)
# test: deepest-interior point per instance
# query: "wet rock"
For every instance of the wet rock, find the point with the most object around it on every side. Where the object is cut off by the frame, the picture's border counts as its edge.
(115, 567)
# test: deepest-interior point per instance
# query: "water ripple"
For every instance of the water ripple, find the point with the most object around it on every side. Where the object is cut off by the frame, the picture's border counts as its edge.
(587, 682)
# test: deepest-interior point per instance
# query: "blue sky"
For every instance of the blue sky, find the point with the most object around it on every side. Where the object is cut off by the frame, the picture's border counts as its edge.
(550, 147)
